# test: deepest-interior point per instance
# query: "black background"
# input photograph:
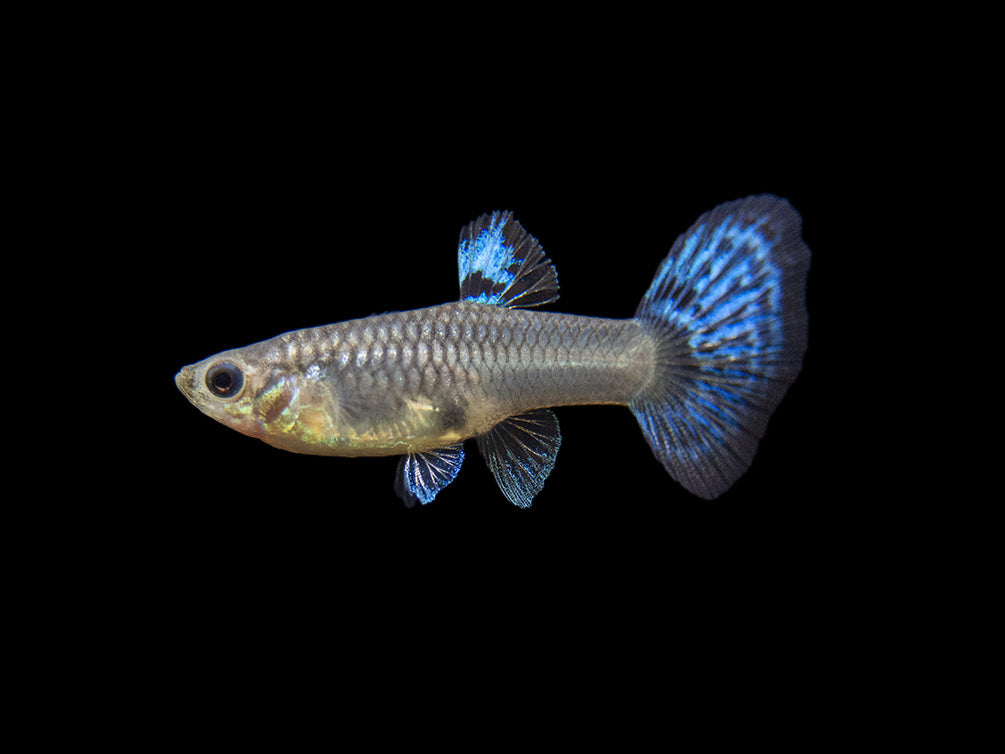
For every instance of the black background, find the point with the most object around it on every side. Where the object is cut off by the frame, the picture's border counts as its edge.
(257, 200)
(268, 222)
(203, 183)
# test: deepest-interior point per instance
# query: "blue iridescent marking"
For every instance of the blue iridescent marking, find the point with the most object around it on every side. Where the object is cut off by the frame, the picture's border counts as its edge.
(485, 298)
(728, 302)
(499, 263)
(488, 255)
(734, 293)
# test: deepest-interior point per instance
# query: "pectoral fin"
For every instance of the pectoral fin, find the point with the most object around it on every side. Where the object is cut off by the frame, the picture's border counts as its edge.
(421, 476)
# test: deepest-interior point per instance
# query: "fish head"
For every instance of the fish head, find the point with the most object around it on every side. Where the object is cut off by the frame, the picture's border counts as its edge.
(241, 392)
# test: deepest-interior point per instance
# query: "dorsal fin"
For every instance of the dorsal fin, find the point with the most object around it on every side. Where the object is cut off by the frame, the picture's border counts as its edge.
(500, 263)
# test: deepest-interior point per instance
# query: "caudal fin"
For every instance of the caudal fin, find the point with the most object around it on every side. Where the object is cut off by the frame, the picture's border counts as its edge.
(728, 307)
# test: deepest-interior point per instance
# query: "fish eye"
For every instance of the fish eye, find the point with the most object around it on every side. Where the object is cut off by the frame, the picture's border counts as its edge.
(224, 380)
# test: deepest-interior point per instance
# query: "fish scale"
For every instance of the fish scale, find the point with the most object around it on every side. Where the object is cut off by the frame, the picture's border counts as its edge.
(504, 361)
(710, 352)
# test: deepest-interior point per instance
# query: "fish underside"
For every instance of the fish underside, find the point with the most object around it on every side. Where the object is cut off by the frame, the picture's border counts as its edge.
(712, 348)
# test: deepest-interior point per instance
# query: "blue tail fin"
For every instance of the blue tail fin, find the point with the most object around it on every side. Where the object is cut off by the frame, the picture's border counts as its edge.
(728, 307)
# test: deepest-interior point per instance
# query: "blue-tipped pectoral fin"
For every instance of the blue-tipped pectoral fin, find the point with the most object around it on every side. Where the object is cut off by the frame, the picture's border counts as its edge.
(520, 452)
(728, 310)
(421, 476)
(500, 263)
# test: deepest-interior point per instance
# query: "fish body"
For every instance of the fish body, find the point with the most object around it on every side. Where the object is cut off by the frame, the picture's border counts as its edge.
(711, 350)
(409, 382)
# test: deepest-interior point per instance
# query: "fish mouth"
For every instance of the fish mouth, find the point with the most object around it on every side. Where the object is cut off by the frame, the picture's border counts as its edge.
(184, 380)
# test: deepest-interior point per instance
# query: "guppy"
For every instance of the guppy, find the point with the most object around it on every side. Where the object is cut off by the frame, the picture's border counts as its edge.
(716, 341)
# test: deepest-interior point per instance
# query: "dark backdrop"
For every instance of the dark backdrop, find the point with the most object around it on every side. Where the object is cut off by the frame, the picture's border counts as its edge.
(254, 214)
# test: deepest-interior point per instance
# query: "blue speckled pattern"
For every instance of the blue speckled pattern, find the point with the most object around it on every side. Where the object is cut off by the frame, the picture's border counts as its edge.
(500, 263)
(728, 303)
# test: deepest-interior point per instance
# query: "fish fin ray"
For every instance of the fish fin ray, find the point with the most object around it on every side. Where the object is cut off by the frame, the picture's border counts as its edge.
(421, 476)
(520, 452)
(728, 310)
(500, 263)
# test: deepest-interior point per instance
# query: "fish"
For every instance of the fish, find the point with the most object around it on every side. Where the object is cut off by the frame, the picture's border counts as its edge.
(714, 345)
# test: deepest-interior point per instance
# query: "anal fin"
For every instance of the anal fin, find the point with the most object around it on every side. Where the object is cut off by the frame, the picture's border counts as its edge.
(520, 451)
(421, 476)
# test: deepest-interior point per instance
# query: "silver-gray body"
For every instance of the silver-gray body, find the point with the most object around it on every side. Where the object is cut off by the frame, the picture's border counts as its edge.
(413, 381)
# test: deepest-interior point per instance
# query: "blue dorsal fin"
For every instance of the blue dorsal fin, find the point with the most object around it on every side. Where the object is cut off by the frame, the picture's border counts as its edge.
(500, 263)
(421, 476)
(520, 451)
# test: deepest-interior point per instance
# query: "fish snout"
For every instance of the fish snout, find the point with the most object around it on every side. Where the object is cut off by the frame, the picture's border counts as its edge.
(185, 381)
